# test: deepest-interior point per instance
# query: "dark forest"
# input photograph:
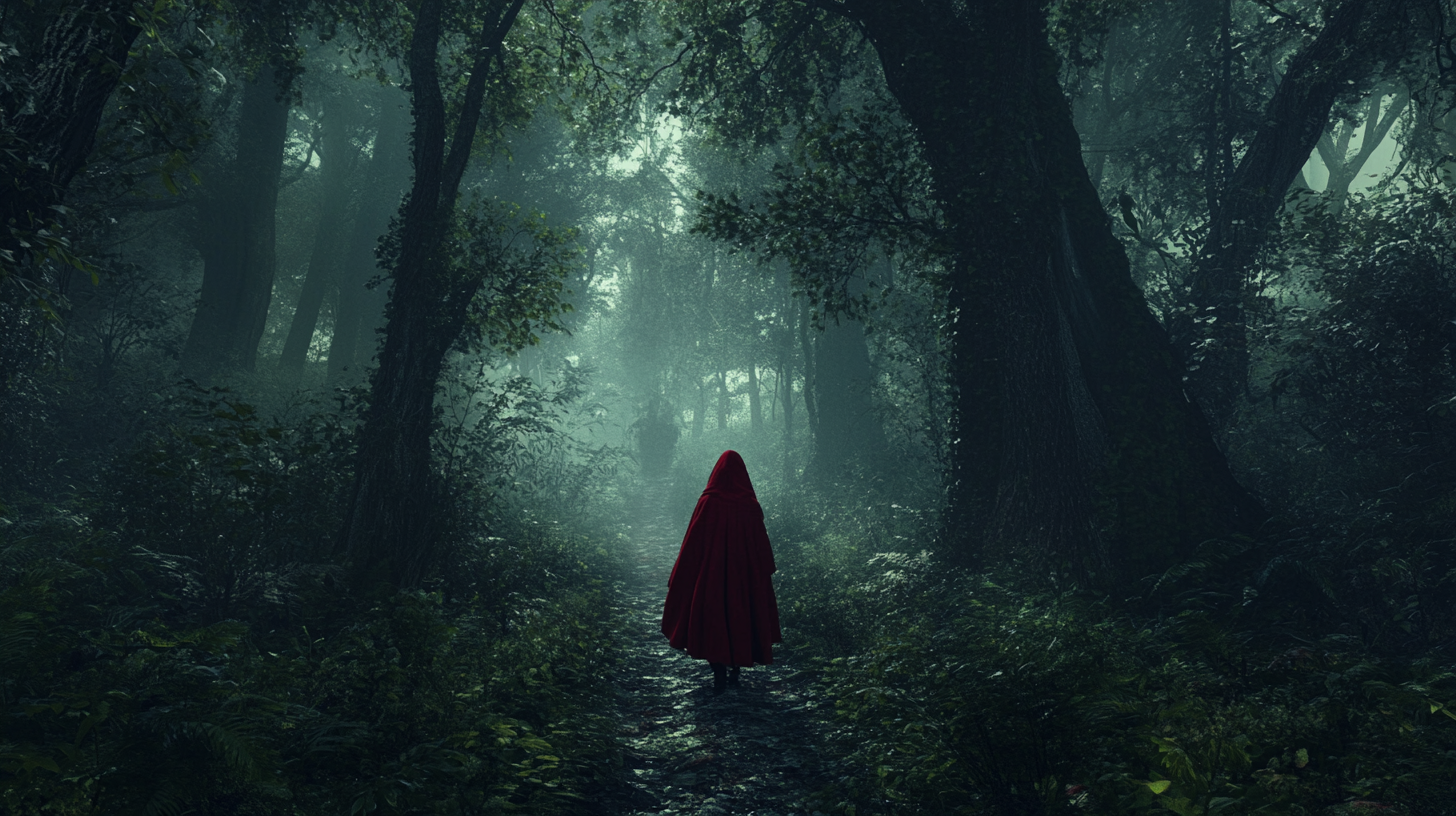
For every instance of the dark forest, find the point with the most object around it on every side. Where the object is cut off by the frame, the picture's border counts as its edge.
(362, 364)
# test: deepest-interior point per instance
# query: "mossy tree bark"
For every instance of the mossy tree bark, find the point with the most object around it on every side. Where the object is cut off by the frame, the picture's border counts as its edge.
(52, 115)
(391, 526)
(1077, 448)
(51, 106)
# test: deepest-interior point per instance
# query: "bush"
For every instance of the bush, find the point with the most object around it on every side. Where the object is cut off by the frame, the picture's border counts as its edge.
(963, 696)
(187, 646)
(414, 704)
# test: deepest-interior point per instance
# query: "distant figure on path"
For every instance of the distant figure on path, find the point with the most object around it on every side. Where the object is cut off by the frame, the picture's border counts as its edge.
(720, 601)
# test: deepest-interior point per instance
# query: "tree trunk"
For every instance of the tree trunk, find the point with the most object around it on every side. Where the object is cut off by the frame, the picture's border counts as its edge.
(848, 428)
(1334, 150)
(1076, 446)
(82, 57)
(49, 114)
(338, 158)
(724, 400)
(391, 527)
(806, 351)
(784, 380)
(358, 310)
(785, 377)
(1213, 333)
(755, 401)
(238, 242)
(700, 410)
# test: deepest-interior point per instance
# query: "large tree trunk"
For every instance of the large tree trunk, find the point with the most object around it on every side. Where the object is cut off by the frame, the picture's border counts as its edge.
(391, 526)
(50, 111)
(239, 224)
(338, 158)
(1076, 446)
(1357, 35)
(53, 114)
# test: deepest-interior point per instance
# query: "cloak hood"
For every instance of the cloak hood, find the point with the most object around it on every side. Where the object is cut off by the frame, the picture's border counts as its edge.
(720, 602)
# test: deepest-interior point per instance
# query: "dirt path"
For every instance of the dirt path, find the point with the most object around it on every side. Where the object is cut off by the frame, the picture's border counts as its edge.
(747, 752)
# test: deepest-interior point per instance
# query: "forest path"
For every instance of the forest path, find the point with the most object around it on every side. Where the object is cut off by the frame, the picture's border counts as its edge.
(747, 752)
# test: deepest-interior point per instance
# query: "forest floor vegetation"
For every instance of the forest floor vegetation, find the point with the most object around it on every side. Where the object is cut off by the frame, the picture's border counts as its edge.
(1235, 683)
(177, 637)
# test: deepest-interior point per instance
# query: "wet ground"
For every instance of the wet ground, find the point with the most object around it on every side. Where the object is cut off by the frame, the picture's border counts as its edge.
(747, 752)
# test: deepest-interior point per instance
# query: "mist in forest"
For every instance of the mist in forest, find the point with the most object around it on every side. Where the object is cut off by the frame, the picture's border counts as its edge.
(367, 371)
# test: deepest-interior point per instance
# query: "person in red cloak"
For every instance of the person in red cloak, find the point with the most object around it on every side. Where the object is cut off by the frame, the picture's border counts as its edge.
(720, 601)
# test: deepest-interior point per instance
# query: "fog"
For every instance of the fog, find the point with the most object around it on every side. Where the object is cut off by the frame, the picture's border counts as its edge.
(368, 375)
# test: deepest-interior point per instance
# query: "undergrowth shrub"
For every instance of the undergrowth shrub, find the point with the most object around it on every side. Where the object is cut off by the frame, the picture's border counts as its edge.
(416, 708)
(108, 708)
(181, 641)
(959, 695)
(990, 705)
(415, 704)
(243, 505)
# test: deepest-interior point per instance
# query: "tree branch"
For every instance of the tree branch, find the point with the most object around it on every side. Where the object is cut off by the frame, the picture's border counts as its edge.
(491, 40)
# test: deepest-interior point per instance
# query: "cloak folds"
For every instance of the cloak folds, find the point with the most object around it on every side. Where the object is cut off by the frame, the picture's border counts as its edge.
(720, 601)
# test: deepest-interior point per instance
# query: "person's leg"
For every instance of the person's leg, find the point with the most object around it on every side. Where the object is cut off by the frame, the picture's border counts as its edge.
(733, 676)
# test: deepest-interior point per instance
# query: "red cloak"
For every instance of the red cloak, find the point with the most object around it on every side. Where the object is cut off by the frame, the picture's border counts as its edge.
(720, 601)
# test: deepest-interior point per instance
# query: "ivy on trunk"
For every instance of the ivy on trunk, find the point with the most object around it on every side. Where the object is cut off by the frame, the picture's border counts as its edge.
(391, 527)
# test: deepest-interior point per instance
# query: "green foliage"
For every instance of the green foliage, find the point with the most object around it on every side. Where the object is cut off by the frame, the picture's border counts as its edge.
(109, 707)
(436, 710)
(854, 180)
(1358, 343)
(240, 503)
(988, 706)
(523, 264)
(764, 63)
(188, 644)
(115, 703)
(508, 445)
(953, 694)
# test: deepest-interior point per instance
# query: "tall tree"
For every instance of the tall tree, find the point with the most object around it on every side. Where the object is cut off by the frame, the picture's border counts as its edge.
(70, 59)
(358, 308)
(338, 158)
(1358, 36)
(1377, 118)
(75, 55)
(438, 265)
(1076, 445)
(238, 221)
(843, 379)
(1076, 441)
